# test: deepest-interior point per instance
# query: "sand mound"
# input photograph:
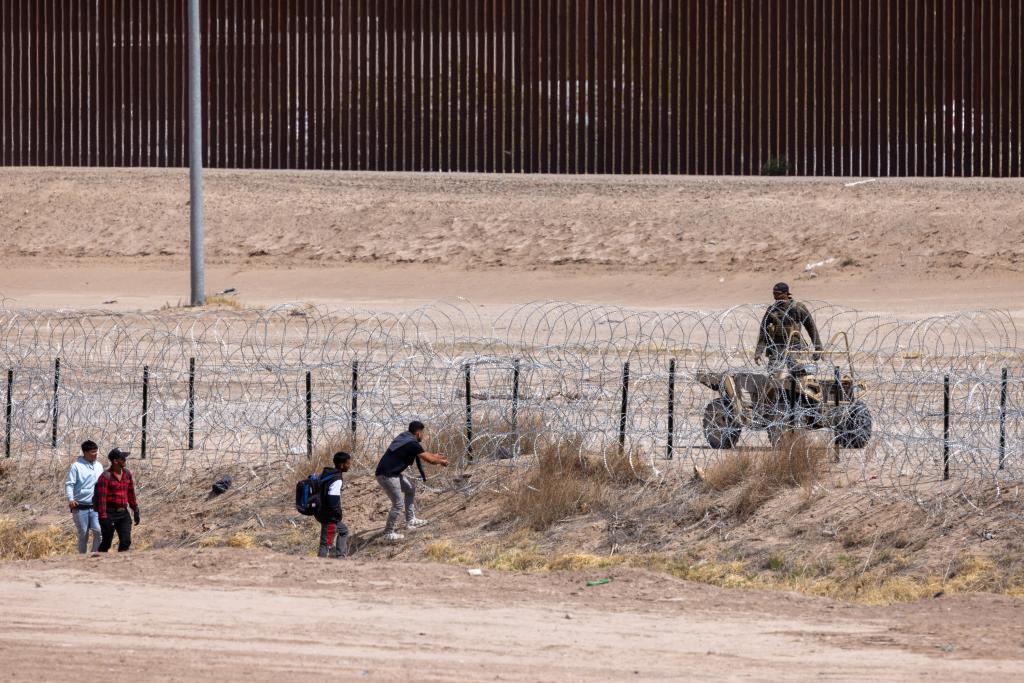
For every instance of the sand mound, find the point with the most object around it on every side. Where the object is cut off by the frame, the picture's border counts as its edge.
(695, 224)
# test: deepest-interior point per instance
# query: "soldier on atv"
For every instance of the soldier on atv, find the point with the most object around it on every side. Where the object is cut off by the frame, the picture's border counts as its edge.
(780, 332)
(792, 394)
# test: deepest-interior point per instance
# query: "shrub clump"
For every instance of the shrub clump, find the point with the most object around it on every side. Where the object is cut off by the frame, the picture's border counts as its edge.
(776, 166)
(756, 476)
(567, 483)
(20, 543)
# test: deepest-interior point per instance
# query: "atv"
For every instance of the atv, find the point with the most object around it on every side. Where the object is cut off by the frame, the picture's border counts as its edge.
(792, 394)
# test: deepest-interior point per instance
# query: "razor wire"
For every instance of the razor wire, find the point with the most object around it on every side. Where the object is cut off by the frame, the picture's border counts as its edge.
(536, 372)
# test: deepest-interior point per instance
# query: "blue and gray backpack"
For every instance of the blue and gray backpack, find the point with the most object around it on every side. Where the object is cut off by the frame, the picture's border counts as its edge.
(307, 495)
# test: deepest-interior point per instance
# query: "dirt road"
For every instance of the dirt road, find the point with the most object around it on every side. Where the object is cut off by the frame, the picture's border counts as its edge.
(232, 615)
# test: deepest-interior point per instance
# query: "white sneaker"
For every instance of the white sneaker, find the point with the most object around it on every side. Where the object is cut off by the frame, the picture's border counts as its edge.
(416, 522)
(393, 537)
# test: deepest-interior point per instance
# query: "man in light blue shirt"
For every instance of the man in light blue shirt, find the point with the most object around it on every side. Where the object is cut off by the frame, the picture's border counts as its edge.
(79, 488)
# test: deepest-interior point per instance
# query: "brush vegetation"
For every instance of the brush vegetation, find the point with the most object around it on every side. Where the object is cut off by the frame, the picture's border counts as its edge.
(886, 583)
(18, 542)
(565, 482)
(755, 477)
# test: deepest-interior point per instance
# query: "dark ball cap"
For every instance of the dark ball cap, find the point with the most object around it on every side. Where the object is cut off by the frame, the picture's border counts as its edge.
(118, 454)
(89, 446)
(781, 288)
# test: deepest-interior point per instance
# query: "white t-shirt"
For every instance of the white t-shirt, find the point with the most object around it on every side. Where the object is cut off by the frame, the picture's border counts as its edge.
(335, 488)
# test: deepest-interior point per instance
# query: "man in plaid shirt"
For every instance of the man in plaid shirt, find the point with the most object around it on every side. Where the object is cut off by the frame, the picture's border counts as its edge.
(115, 496)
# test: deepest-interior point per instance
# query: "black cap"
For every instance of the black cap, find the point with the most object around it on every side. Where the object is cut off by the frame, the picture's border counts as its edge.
(88, 446)
(118, 454)
(781, 288)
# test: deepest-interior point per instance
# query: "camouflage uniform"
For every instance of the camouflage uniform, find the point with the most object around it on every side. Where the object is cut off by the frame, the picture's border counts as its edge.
(780, 330)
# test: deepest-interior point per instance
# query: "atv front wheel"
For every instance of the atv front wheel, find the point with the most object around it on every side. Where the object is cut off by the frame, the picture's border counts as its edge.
(722, 425)
(853, 425)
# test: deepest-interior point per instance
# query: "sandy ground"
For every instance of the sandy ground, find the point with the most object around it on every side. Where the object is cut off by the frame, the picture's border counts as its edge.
(665, 223)
(254, 615)
(80, 237)
(88, 284)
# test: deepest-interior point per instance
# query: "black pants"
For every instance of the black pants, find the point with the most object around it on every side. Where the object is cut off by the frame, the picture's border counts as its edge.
(121, 522)
(333, 539)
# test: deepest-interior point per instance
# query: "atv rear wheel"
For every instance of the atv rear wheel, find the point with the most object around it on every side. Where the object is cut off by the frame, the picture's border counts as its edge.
(722, 425)
(853, 425)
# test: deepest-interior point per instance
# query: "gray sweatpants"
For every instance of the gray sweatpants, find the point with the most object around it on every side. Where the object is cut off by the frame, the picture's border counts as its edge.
(333, 539)
(401, 492)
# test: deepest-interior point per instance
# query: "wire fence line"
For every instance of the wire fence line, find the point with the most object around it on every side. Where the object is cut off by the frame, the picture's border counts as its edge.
(234, 388)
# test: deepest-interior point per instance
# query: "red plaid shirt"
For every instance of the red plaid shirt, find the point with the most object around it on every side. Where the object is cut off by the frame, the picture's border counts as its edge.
(113, 493)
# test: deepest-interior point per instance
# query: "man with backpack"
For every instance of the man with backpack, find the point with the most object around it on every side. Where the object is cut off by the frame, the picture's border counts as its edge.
(405, 450)
(333, 532)
(115, 496)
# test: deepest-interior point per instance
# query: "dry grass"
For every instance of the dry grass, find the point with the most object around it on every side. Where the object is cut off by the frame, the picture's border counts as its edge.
(754, 477)
(240, 539)
(843, 580)
(889, 581)
(446, 551)
(562, 485)
(212, 301)
(555, 492)
(565, 483)
(448, 437)
(323, 455)
(224, 301)
(20, 543)
(626, 467)
(493, 436)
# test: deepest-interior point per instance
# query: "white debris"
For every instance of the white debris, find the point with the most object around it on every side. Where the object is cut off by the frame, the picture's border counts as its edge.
(475, 572)
(861, 182)
(827, 262)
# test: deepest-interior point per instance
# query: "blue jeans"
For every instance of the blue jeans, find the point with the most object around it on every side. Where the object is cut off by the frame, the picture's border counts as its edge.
(86, 521)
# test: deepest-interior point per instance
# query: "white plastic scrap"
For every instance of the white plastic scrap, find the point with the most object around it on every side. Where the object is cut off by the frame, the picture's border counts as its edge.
(827, 262)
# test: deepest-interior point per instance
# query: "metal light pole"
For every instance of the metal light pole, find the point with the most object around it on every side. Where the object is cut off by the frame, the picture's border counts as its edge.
(195, 155)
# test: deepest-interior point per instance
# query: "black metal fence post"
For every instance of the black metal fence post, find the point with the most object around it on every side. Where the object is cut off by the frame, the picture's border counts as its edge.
(469, 411)
(145, 408)
(839, 386)
(1002, 420)
(309, 413)
(945, 428)
(355, 397)
(191, 402)
(791, 399)
(625, 403)
(56, 389)
(515, 400)
(10, 405)
(671, 406)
